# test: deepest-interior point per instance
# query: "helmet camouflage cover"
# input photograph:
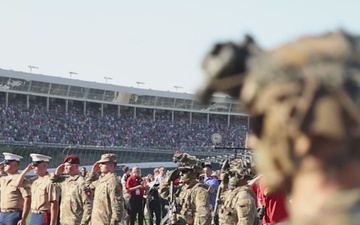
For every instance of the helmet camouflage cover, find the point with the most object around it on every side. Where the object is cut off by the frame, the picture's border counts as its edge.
(242, 167)
(186, 161)
(304, 89)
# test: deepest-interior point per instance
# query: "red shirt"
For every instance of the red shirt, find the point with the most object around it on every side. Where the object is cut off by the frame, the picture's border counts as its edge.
(134, 181)
(177, 182)
(275, 204)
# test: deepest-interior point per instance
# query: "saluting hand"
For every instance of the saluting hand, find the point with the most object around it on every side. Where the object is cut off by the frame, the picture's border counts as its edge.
(28, 168)
(60, 169)
(96, 167)
(174, 175)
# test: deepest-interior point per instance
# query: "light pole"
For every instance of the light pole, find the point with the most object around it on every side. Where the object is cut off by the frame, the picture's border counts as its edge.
(32, 67)
(138, 83)
(107, 78)
(72, 73)
(177, 87)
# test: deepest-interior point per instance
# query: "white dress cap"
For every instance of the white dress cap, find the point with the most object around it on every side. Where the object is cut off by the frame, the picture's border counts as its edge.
(10, 156)
(39, 157)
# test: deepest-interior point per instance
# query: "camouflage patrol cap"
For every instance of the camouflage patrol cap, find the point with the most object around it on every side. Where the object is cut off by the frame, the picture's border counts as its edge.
(242, 167)
(108, 158)
(186, 161)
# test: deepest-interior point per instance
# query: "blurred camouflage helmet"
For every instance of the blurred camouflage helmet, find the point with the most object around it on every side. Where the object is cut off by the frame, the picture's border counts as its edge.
(224, 66)
(242, 167)
(303, 90)
(186, 161)
(240, 170)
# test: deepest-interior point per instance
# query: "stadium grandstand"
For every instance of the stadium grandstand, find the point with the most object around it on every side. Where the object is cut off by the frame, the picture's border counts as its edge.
(59, 116)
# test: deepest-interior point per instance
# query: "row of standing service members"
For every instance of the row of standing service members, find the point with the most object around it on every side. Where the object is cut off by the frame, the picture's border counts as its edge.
(40, 195)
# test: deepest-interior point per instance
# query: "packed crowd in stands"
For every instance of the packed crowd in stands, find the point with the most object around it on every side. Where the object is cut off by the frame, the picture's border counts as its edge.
(37, 125)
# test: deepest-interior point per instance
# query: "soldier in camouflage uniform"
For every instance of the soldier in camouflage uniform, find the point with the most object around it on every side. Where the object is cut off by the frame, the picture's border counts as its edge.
(238, 206)
(192, 201)
(304, 98)
(75, 205)
(108, 205)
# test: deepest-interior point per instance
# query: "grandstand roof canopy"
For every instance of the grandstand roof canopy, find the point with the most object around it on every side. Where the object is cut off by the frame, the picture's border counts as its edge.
(58, 87)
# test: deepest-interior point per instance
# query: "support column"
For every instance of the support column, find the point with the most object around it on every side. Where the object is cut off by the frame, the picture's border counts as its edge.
(102, 110)
(7, 100)
(27, 101)
(84, 108)
(119, 111)
(47, 104)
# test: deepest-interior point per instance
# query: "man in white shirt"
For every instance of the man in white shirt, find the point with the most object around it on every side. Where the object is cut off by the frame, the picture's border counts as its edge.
(158, 179)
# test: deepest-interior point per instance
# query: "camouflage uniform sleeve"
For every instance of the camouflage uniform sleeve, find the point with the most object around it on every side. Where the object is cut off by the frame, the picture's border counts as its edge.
(202, 211)
(245, 208)
(117, 206)
(57, 179)
(91, 180)
(87, 205)
(164, 189)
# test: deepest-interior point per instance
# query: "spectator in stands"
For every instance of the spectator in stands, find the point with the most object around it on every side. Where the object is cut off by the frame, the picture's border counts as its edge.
(36, 124)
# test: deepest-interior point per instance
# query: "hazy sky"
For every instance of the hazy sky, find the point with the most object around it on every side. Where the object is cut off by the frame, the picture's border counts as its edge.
(158, 42)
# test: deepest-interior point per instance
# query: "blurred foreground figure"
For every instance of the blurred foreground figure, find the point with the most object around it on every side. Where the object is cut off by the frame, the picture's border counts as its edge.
(304, 99)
